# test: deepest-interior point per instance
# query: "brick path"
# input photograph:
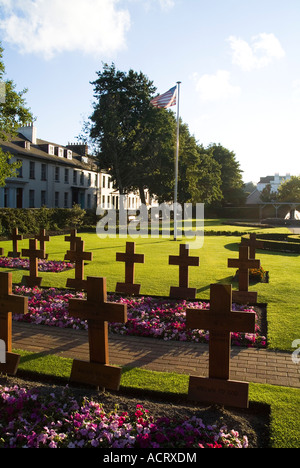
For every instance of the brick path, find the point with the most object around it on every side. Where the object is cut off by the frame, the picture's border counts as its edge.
(252, 365)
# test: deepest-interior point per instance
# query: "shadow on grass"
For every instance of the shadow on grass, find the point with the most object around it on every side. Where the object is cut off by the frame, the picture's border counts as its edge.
(226, 280)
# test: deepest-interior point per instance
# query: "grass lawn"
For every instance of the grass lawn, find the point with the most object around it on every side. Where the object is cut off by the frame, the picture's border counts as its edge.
(156, 276)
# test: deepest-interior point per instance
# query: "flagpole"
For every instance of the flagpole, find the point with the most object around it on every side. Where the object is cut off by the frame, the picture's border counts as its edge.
(176, 164)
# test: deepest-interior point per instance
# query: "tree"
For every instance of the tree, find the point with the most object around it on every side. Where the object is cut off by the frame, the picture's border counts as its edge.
(135, 142)
(289, 191)
(13, 114)
(121, 125)
(267, 195)
(231, 175)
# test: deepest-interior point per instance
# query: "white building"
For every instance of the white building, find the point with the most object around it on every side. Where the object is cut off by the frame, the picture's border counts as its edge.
(274, 181)
(57, 176)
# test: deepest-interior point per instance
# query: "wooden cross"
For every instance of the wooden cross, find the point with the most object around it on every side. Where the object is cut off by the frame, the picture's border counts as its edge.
(9, 304)
(98, 312)
(15, 236)
(253, 244)
(130, 258)
(42, 238)
(78, 256)
(184, 262)
(244, 264)
(220, 321)
(72, 239)
(34, 254)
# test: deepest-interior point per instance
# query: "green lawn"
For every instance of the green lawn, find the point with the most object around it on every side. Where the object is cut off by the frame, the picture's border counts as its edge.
(156, 276)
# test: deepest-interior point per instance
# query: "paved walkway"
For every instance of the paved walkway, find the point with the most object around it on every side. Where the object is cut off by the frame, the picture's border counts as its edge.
(252, 365)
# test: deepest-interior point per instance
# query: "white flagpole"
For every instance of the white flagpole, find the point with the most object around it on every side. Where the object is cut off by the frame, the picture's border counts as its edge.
(176, 164)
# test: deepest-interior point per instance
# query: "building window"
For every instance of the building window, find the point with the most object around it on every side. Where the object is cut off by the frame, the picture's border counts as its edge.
(32, 170)
(6, 197)
(103, 181)
(103, 201)
(75, 177)
(20, 169)
(66, 199)
(57, 174)
(96, 180)
(89, 179)
(66, 176)
(82, 178)
(56, 199)
(89, 201)
(43, 172)
(51, 149)
(43, 198)
(31, 198)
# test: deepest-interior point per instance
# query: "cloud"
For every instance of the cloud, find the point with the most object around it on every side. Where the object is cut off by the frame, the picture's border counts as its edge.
(50, 27)
(263, 50)
(167, 4)
(216, 87)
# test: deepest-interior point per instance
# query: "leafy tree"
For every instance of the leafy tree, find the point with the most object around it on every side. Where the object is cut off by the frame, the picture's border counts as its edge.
(204, 179)
(135, 142)
(121, 125)
(267, 195)
(289, 191)
(13, 114)
(231, 175)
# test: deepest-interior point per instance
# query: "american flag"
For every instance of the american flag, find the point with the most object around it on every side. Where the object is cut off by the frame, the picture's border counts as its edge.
(166, 100)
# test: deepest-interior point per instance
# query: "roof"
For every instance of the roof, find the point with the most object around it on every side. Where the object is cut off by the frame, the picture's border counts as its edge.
(254, 198)
(266, 180)
(16, 147)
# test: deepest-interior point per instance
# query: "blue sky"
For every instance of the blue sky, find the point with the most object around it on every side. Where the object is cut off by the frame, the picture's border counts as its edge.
(238, 61)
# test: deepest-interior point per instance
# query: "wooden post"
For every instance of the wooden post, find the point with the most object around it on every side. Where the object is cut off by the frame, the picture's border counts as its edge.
(34, 254)
(184, 262)
(220, 320)
(42, 238)
(72, 239)
(98, 312)
(78, 256)
(15, 236)
(9, 304)
(244, 264)
(130, 258)
(253, 244)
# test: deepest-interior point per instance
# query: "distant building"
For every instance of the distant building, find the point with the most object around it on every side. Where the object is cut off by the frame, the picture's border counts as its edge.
(271, 209)
(57, 176)
(275, 181)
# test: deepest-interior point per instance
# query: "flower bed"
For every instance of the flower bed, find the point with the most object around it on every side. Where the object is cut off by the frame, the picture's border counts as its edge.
(32, 420)
(147, 316)
(43, 265)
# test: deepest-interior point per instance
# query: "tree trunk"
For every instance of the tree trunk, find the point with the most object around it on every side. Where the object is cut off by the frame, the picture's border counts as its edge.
(142, 195)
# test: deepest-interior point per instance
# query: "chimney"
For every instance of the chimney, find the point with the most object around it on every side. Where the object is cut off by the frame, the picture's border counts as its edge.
(29, 132)
(78, 148)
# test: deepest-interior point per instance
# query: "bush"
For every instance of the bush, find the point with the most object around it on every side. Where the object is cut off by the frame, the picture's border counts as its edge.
(31, 220)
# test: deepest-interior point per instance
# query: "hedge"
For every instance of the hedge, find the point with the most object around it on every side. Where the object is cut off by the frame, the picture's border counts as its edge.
(31, 220)
(279, 242)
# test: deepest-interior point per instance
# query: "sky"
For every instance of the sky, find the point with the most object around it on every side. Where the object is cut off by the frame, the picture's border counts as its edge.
(238, 62)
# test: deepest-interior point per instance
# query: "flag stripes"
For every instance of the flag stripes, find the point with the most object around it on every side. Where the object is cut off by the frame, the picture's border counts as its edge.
(166, 100)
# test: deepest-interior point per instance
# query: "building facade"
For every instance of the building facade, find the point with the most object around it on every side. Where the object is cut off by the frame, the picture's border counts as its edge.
(57, 176)
(274, 181)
